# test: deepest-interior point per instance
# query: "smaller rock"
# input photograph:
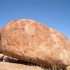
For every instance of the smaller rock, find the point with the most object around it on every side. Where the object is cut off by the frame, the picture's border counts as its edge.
(15, 66)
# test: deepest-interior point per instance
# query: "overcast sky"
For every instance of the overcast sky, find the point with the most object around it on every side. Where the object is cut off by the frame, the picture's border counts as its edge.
(53, 13)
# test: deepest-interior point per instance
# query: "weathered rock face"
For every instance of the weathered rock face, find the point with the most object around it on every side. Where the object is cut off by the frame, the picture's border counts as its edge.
(31, 41)
(0, 30)
(0, 35)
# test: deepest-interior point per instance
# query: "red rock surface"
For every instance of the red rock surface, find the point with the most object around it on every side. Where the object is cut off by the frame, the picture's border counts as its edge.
(0, 30)
(0, 33)
(0, 36)
(34, 42)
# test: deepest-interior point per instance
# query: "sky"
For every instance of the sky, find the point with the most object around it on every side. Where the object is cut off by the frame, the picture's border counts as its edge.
(52, 13)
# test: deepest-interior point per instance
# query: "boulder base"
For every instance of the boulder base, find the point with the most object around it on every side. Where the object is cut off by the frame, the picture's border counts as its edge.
(14, 66)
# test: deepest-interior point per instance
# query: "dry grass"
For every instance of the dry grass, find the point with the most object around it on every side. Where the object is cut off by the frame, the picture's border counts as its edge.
(13, 64)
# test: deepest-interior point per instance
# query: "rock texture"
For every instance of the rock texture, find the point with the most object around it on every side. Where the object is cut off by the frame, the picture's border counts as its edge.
(0, 30)
(0, 35)
(34, 42)
(15, 66)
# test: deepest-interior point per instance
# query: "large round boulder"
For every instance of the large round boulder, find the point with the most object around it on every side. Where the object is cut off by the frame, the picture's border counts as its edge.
(34, 42)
